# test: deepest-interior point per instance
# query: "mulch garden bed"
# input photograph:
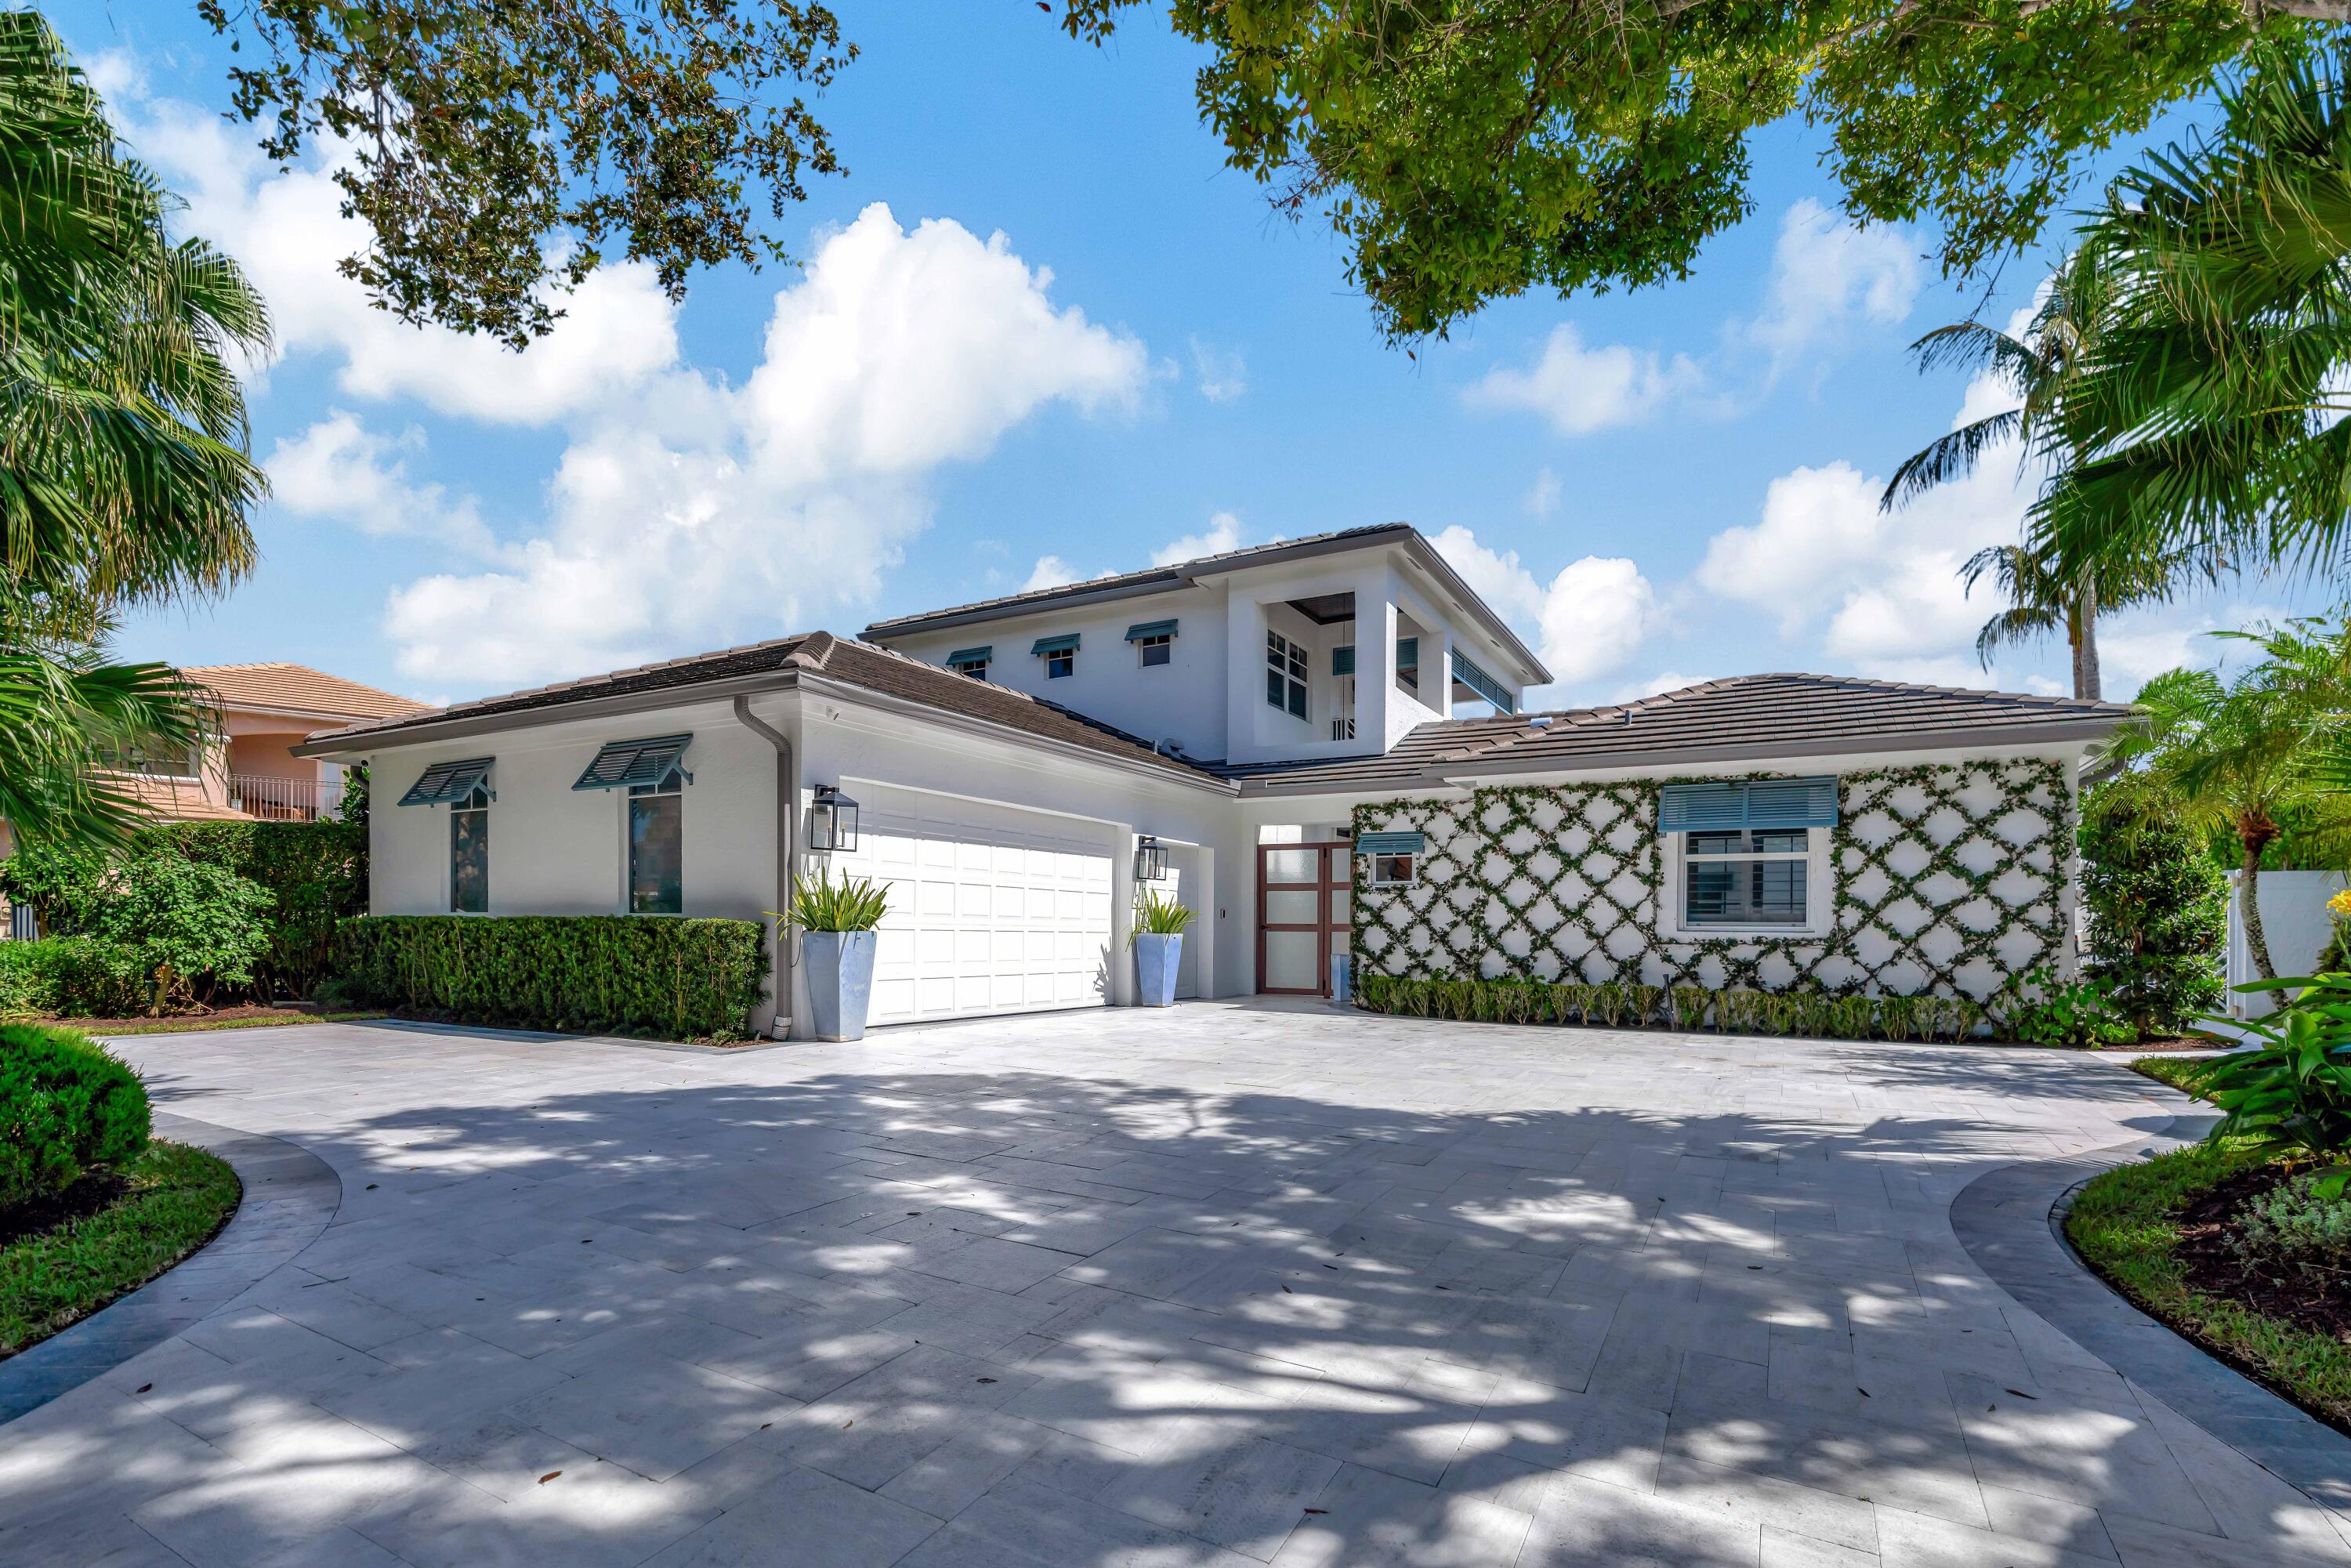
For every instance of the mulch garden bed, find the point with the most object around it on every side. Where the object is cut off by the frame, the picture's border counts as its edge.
(93, 1193)
(215, 1015)
(2317, 1300)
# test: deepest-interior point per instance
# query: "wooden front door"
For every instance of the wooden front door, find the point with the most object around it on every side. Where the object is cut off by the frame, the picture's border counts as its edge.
(1303, 915)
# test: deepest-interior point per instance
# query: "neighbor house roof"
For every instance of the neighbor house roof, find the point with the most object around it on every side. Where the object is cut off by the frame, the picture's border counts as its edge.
(1184, 574)
(1748, 716)
(775, 666)
(301, 689)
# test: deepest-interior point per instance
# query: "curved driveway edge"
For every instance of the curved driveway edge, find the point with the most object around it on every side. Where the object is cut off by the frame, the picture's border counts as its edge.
(2011, 1221)
(289, 1196)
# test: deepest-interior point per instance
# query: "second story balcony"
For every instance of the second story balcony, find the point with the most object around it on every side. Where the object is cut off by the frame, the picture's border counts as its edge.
(285, 800)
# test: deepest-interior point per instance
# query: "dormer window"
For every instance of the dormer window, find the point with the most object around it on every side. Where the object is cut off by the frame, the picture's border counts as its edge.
(1285, 674)
(1060, 653)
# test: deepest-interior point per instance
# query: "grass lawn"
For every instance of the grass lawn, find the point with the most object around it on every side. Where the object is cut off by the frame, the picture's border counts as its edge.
(2189, 1074)
(178, 1198)
(2125, 1225)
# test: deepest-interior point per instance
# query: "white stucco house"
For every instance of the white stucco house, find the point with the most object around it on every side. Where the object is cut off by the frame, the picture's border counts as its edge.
(1320, 740)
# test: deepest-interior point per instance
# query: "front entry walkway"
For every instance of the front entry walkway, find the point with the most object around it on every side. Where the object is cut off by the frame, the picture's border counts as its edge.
(1223, 1285)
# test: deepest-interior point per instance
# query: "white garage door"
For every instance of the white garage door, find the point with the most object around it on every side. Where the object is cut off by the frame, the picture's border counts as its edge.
(992, 910)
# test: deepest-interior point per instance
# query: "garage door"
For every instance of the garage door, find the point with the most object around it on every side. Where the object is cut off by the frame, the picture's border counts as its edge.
(992, 909)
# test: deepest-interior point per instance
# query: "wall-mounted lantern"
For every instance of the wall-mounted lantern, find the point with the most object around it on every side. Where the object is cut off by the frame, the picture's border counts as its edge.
(1150, 860)
(833, 821)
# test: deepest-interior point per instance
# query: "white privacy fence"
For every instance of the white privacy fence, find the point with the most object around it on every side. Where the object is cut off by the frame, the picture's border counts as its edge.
(2293, 919)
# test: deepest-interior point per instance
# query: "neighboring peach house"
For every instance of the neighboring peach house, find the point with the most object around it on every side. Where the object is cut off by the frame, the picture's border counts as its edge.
(246, 769)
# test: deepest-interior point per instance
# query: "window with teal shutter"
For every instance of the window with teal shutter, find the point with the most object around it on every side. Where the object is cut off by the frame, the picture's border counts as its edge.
(1753, 804)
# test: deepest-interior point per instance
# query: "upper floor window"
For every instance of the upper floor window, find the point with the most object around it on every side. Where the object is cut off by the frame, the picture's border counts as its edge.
(188, 764)
(1154, 641)
(469, 852)
(1060, 653)
(1285, 674)
(972, 662)
(1407, 664)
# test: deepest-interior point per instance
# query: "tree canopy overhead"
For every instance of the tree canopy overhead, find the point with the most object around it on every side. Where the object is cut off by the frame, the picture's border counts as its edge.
(1470, 150)
(497, 146)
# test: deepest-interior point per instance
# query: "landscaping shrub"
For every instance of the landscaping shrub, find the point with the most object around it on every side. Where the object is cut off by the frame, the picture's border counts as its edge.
(2039, 1010)
(2297, 1225)
(66, 1106)
(1612, 1005)
(2292, 1096)
(74, 976)
(677, 980)
(2159, 908)
(309, 876)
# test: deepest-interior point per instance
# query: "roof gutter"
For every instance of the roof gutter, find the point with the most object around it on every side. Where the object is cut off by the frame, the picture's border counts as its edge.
(335, 743)
(788, 813)
(1028, 740)
(1469, 771)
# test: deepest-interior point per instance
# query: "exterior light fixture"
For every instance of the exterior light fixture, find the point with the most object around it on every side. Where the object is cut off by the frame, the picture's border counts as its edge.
(833, 821)
(1150, 860)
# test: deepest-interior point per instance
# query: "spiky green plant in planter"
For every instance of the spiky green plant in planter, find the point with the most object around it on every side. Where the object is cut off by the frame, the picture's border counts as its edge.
(853, 904)
(1157, 916)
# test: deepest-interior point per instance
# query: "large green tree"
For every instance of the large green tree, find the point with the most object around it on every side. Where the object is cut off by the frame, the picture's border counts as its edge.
(124, 473)
(2046, 595)
(499, 148)
(1470, 149)
(2236, 753)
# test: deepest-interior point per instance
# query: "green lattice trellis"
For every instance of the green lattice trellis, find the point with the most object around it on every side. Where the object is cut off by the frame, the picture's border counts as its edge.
(1946, 881)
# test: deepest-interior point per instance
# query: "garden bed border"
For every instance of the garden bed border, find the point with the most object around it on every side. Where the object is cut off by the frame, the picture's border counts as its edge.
(2011, 1221)
(290, 1195)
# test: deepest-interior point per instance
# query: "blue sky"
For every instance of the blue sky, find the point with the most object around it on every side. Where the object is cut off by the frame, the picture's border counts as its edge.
(1043, 333)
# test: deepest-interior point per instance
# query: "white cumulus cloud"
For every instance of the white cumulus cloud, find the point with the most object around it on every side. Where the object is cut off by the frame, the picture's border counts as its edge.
(1221, 374)
(1586, 620)
(1829, 276)
(1580, 390)
(1222, 534)
(339, 469)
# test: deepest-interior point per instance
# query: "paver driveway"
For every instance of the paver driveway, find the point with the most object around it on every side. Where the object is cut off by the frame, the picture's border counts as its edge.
(1222, 1285)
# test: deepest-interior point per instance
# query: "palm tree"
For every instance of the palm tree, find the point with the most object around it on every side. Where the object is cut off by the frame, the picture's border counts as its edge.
(124, 469)
(2046, 594)
(2206, 416)
(2238, 753)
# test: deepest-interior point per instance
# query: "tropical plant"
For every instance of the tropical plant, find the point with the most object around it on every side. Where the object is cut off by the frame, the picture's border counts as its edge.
(2297, 1225)
(2045, 595)
(852, 904)
(2207, 417)
(124, 473)
(2040, 1008)
(2235, 753)
(1158, 917)
(2158, 906)
(2291, 1094)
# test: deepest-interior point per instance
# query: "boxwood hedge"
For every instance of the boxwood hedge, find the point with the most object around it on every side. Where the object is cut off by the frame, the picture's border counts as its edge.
(65, 1106)
(609, 974)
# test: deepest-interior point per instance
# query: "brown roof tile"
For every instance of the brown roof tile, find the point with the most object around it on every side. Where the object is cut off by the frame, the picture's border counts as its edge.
(299, 687)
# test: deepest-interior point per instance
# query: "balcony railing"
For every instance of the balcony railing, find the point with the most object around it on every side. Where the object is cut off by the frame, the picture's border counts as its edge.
(285, 800)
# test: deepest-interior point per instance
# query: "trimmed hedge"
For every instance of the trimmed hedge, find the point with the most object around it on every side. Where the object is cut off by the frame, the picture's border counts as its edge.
(65, 1106)
(76, 977)
(603, 974)
(1614, 1005)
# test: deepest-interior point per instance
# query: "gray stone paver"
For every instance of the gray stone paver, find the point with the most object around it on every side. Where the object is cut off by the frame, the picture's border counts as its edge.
(1226, 1285)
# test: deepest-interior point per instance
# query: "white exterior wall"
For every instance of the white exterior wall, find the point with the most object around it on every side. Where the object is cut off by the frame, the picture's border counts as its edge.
(554, 850)
(1181, 700)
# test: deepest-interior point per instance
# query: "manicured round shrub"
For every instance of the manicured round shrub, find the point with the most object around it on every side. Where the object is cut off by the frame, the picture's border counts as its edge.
(65, 1105)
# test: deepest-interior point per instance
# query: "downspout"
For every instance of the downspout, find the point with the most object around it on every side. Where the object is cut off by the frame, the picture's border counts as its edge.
(788, 811)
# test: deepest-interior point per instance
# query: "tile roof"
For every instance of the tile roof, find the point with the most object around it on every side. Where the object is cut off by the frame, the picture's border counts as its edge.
(1170, 576)
(815, 653)
(1746, 715)
(299, 687)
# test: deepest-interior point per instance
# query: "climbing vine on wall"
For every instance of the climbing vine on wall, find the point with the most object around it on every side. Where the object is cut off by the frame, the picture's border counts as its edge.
(1944, 881)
